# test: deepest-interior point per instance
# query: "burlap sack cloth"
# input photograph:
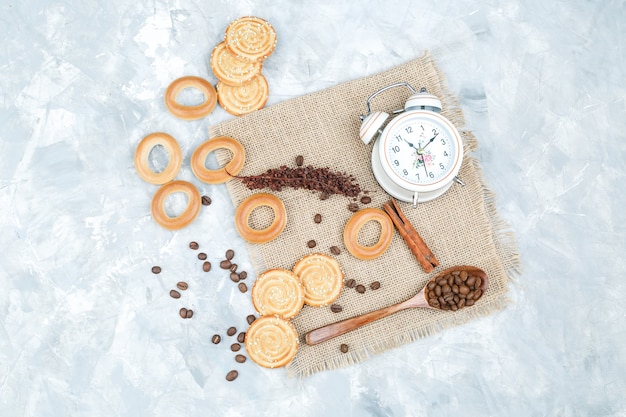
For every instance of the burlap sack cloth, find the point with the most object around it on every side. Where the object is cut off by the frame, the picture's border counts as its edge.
(461, 227)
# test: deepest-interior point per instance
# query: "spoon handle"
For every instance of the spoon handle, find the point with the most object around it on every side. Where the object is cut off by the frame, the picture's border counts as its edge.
(336, 329)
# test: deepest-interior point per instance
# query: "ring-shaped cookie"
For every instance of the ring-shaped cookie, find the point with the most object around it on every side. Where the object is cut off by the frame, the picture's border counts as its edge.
(220, 175)
(278, 292)
(271, 342)
(187, 216)
(190, 112)
(242, 215)
(354, 225)
(142, 153)
(322, 279)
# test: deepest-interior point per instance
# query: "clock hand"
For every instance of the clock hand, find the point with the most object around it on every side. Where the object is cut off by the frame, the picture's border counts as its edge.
(412, 146)
(429, 142)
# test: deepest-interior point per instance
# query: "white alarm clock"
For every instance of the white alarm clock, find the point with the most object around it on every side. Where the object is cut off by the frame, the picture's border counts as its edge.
(418, 154)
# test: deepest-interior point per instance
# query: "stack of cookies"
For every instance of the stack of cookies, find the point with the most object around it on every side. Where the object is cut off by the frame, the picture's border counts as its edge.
(237, 64)
(278, 295)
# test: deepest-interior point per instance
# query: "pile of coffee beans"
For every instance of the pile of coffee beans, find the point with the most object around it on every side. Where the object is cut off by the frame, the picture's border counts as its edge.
(453, 291)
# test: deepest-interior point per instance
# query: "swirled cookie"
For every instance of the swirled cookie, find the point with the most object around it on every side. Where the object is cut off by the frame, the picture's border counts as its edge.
(230, 69)
(322, 278)
(278, 292)
(271, 342)
(250, 38)
(245, 97)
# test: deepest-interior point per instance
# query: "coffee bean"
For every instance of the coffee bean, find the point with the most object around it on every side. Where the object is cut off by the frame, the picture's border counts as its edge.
(232, 375)
(351, 283)
(183, 312)
(299, 160)
(233, 268)
(240, 358)
(230, 254)
(375, 285)
(446, 289)
(464, 289)
(241, 337)
(343, 348)
(353, 207)
(311, 243)
(206, 200)
(243, 287)
(457, 280)
(216, 339)
(206, 266)
(202, 256)
(366, 199)
(182, 285)
(469, 303)
(478, 283)
(432, 285)
(455, 288)
(324, 196)
(156, 269)
(231, 331)
(189, 314)
(335, 250)
(442, 281)
(463, 275)
(234, 277)
(438, 290)
(461, 303)
(477, 294)
(470, 281)
(250, 318)
(243, 275)
(360, 289)
(235, 347)
(193, 245)
(317, 218)
(174, 294)
(225, 264)
(336, 308)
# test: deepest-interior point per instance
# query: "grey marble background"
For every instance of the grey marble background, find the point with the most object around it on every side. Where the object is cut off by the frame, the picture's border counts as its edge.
(87, 330)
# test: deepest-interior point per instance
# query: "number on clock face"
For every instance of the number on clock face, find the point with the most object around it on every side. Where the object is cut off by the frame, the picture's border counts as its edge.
(420, 151)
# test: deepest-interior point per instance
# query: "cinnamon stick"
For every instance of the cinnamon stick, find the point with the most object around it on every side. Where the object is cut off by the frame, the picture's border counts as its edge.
(414, 241)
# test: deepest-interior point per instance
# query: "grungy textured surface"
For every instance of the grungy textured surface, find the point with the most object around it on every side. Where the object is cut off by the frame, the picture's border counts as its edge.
(87, 330)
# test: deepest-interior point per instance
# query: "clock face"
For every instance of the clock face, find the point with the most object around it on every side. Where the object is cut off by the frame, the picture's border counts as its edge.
(420, 149)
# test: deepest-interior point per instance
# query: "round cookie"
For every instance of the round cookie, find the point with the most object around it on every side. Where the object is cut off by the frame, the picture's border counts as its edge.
(230, 69)
(271, 342)
(245, 97)
(278, 292)
(322, 279)
(250, 38)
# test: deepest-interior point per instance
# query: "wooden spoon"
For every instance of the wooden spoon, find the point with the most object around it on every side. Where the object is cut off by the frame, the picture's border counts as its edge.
(419, 300)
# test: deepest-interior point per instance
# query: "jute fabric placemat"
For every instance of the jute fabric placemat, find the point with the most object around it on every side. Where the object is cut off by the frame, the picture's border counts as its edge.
(461, 228)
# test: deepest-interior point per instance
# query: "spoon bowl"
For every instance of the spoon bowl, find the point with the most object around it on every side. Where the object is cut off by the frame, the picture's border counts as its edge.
(330, 331)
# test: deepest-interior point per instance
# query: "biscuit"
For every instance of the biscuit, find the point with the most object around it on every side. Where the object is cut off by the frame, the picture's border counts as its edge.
(322, 279)
(271, 342)
(245, 97)
(278, 292)
(250, 38)
(230, 69)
